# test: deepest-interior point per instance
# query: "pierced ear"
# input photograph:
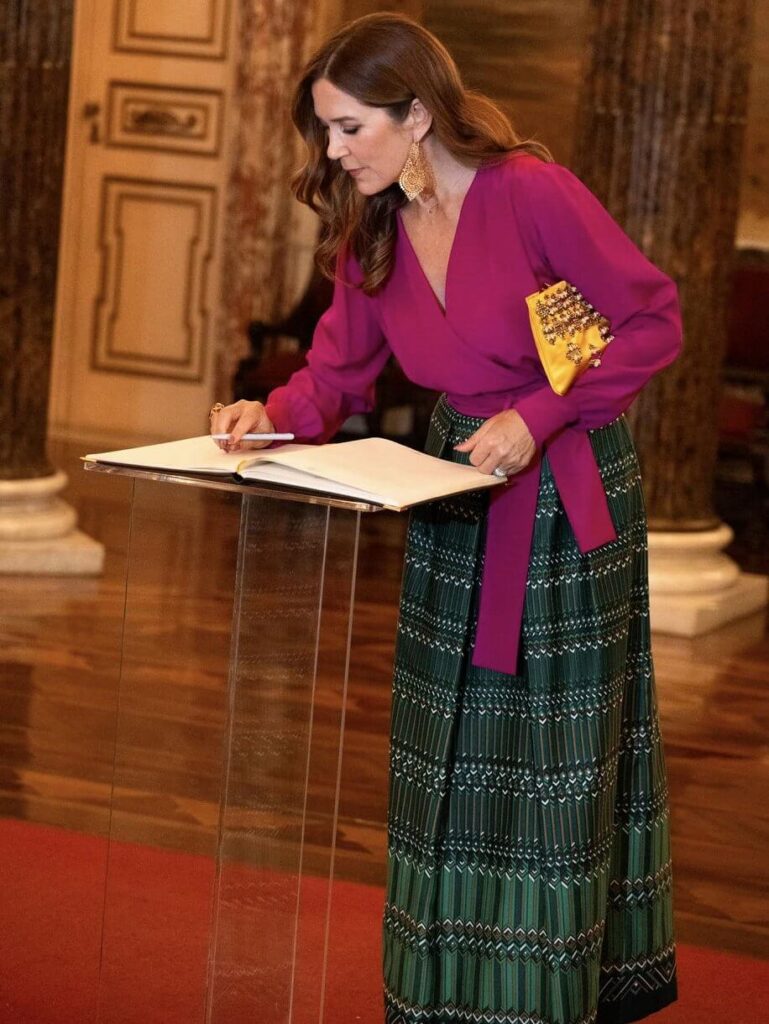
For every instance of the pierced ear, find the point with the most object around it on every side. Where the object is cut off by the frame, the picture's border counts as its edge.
(420, 115)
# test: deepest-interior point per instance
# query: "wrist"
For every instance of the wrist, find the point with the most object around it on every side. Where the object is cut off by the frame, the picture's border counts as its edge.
(278, 417)
(545, 413)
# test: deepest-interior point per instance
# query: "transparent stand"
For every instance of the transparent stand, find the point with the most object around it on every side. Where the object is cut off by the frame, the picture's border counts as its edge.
(228, 753)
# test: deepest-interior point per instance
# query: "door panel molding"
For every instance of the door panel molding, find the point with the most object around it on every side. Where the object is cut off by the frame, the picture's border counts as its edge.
(170, 119)
(134, 330)
(141, 28)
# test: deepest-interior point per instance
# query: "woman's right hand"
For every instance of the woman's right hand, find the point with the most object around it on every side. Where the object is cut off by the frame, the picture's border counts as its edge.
(241, 418)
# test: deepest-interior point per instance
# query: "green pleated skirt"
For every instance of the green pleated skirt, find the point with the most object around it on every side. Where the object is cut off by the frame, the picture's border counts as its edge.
(529, 869)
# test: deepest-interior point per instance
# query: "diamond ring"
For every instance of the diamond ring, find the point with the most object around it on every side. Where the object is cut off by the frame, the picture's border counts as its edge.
(500, 472)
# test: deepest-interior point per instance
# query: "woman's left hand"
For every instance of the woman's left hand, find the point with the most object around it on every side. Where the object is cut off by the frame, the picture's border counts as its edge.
(502, 442)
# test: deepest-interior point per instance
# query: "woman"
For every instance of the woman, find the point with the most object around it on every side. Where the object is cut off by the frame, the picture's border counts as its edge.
(528, 856)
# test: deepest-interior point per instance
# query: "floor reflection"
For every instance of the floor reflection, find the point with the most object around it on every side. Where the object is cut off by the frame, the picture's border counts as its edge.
(68, 733)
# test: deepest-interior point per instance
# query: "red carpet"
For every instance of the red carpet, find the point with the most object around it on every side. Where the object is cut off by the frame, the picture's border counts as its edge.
(156, 943)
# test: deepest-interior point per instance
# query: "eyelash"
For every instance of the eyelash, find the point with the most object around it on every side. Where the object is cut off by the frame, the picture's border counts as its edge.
(345, 131)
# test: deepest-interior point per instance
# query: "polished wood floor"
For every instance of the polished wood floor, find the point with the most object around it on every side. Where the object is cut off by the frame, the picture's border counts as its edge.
(135, 749)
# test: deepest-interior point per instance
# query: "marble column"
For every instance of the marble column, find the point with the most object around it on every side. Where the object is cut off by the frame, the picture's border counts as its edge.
(37, 529)
(659, 139)
(269, 236)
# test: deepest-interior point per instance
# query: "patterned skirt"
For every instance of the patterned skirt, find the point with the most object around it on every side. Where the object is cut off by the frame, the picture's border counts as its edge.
(529, 869)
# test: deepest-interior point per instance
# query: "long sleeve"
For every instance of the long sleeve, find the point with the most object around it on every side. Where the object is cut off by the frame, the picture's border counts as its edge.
(347, 354)
(575, 238)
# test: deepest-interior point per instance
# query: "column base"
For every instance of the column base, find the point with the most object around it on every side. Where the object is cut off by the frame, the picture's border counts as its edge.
(74, 554)
(694, 588)
(694, 614)
(37, 531)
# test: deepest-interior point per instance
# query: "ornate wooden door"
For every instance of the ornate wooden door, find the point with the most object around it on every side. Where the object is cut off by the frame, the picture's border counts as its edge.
(143, 212)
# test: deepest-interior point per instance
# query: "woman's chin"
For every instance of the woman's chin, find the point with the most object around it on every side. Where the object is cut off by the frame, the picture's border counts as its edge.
(370, 185)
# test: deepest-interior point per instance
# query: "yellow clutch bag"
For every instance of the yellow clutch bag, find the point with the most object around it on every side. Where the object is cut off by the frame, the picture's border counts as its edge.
(569, 333)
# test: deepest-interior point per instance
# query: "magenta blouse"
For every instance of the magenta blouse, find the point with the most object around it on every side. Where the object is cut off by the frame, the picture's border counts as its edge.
(523, 223)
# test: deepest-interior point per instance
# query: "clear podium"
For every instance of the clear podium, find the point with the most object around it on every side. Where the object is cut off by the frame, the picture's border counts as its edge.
(229, 896)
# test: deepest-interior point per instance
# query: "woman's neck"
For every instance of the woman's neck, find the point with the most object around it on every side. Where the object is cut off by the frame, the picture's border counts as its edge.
(452, 178)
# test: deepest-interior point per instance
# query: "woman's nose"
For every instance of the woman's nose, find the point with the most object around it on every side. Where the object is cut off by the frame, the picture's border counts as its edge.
(335, 148)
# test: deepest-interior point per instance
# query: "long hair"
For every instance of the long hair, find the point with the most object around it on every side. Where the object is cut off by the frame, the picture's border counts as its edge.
(386, 60)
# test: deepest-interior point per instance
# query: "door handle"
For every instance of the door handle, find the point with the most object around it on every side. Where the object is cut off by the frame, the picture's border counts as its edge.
(91, 113)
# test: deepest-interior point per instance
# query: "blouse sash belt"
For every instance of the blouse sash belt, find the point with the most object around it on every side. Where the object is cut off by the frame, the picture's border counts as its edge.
(510, 530)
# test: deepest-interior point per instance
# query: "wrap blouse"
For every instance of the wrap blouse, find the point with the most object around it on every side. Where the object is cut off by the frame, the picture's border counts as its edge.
(523, 223)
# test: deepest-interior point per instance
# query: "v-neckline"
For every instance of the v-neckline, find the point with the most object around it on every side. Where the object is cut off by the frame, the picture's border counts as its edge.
(442, 307)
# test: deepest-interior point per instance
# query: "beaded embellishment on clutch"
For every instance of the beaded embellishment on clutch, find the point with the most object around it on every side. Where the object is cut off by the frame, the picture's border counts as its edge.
(569, 333)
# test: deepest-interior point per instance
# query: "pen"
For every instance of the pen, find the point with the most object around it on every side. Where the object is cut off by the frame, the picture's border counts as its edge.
(255, 437)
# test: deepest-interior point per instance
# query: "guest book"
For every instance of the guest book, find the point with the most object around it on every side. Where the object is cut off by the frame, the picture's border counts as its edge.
(370, 469)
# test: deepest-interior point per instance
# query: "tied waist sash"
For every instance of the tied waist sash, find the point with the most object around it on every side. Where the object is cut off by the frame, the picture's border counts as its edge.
(510, 530)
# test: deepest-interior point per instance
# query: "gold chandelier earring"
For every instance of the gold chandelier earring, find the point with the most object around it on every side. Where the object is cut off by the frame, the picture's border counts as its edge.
(416, 179)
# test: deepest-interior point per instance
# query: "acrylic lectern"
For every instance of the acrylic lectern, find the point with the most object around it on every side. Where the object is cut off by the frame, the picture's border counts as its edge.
(224, 902)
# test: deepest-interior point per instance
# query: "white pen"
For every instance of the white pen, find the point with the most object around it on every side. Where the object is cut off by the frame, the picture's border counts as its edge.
(255, 437)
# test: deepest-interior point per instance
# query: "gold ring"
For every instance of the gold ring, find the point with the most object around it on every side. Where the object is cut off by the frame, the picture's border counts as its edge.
(216, 407)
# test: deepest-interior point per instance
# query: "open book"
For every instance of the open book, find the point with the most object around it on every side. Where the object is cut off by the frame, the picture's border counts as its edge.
(371, 469)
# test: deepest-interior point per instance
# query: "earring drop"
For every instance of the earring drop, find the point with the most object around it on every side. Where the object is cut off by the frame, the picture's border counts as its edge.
(416, 179)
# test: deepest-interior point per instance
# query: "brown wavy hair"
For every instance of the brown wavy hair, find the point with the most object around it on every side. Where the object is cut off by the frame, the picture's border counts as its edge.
(387, 60)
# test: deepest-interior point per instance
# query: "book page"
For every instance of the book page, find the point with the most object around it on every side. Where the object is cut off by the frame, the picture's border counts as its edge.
(192, 455)
(391, 473)
(372, 468)
(274, 472)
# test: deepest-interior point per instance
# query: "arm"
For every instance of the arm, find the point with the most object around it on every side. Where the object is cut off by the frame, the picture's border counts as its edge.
(347, 354)
(576, 238)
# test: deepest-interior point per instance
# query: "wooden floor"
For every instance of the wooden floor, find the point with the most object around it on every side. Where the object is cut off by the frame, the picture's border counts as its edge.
(135, 750)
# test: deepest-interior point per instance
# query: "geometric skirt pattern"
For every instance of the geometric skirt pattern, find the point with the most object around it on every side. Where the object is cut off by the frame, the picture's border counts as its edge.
(529, 873)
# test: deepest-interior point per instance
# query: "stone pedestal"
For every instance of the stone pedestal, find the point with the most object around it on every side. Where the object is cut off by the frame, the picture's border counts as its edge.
(38, 534)
(694, 587)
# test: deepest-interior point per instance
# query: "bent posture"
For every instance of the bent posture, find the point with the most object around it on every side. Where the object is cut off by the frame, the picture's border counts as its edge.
(528, 849)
